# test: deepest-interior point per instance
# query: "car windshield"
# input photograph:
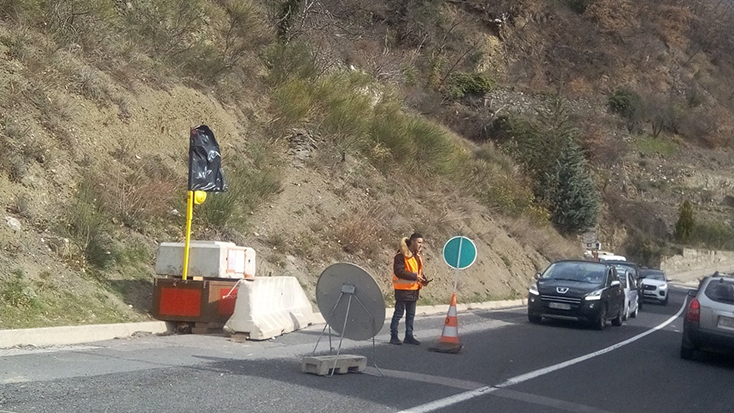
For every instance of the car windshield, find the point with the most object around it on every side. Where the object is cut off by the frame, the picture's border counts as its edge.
(721, 290)
(654, 275)
(621, 269)
(587, 272)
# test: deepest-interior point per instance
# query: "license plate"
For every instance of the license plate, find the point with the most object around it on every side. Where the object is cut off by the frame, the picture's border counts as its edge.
(560, 306)
(726, 322)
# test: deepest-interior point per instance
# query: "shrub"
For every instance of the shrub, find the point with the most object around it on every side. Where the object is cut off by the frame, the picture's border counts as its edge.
(686, 223)
(714, 235)
(248, 187)
(290, 61)
(18, 293)
(628, 105)
(461, 84)
(87, 226)
(575, 200)
(579, 6)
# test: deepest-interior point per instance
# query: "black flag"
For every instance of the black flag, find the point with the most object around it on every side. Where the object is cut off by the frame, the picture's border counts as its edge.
(205, 169)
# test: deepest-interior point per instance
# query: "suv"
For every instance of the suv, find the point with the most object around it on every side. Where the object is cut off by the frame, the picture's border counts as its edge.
(577, 290)
(654, 285)
(709, 319)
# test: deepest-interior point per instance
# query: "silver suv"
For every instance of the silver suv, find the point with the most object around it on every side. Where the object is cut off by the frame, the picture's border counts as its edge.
(709, 319)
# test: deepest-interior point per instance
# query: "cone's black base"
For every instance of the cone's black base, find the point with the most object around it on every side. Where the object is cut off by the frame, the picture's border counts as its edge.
(446, 348)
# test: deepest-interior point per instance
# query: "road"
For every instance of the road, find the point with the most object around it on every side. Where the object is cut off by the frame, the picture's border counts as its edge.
(507, 365)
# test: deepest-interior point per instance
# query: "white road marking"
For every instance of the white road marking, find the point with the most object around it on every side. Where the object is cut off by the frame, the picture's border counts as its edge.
(458, 398)
(426, 378)
(547, 401)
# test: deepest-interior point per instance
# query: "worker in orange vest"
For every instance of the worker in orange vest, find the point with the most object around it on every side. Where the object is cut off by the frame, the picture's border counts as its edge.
(407, 280)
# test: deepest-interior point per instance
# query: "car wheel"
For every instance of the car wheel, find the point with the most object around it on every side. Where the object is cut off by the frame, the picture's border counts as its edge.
(535, 319)
(634, 313)
(665, 301)
(686, 353)
(601, 322)
(617, 321)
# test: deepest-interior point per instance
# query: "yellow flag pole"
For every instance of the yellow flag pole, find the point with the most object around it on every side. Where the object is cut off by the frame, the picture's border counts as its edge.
(189, 216)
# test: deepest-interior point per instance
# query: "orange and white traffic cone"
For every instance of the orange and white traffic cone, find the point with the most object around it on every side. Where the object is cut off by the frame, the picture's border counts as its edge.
(449, 340)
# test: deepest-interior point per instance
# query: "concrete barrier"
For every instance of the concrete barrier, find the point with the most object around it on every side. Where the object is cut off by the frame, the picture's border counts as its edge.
(692, 265)
(213, 259)
(268, 307)
(50, 336)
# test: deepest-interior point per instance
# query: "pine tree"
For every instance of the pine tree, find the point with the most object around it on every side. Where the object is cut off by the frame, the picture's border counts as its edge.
(685, 224)
(575, 200)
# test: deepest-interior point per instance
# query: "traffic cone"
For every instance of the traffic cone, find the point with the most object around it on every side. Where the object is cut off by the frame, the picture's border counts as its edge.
(449, 340)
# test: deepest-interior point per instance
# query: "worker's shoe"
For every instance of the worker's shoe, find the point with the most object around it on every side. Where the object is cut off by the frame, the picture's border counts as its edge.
(395, 340)
(411, 340)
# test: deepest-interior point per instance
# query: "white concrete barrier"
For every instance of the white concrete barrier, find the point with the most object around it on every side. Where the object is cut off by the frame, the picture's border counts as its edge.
(214, 259)
(268, 307)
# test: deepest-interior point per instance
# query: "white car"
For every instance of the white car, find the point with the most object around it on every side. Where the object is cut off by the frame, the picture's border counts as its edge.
(631, 299)
(654, 285)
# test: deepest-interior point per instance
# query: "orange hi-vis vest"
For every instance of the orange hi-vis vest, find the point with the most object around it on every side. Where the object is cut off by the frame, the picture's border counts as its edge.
(412, 264)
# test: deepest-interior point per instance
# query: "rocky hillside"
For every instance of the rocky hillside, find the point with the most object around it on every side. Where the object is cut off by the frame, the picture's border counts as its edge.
(345, 125)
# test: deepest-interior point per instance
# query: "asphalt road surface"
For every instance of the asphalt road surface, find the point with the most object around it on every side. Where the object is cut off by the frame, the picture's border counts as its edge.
(507, 365)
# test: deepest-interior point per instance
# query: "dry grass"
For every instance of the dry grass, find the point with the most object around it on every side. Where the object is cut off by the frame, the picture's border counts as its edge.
(543, 239)
(363, 231)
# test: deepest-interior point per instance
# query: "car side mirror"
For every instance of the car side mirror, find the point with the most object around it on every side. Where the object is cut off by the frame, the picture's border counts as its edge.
(692, 293)
(616, 283)
(537, 275)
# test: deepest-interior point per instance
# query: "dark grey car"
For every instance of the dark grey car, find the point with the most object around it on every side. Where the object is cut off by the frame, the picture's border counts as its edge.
(709, 319)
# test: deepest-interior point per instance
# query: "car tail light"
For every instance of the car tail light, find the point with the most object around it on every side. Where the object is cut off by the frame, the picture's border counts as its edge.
(694, 311)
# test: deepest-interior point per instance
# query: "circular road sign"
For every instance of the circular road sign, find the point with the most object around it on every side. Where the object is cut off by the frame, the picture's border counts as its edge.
(460, 252)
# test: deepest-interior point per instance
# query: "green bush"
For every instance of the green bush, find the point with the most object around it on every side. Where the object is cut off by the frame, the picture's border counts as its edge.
(88, 228)
(461, 84)
(714, 235)
(575, 199)
(579, 6)
(686, 223)
(248, 187)
(290, 61)
(17, 293)
(628, 105)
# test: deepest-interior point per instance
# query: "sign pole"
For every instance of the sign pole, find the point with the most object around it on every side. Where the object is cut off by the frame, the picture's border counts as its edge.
(189, 216)
(458, 265)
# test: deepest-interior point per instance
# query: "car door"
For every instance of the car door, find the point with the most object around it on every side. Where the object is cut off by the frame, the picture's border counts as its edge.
(616, 293)
(610, 293)
(632, 292)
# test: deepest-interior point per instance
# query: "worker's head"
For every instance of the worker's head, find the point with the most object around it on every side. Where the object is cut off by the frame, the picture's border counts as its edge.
(415, 243)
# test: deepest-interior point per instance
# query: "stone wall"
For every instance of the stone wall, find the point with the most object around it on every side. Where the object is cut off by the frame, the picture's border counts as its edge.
(692, 264)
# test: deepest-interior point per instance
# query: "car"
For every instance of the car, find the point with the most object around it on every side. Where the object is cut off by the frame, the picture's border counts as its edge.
(708, 323)
(654, 285)
(631, 302)
(577, 290)
(622, 265)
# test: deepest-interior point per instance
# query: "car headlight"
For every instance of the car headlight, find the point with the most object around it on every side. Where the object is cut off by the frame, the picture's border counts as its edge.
(534, 289)
(664, 286)
(594, 296)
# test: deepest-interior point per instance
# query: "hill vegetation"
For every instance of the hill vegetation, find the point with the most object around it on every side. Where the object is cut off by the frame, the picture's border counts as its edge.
(345, 124)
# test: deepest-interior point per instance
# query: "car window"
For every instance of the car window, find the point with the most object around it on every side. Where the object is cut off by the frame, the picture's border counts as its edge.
(623, 279)
(720, 290)
(653, 275)
(588, 272)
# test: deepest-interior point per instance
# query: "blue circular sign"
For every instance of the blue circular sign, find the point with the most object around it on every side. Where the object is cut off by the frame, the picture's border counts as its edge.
(460, 252)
